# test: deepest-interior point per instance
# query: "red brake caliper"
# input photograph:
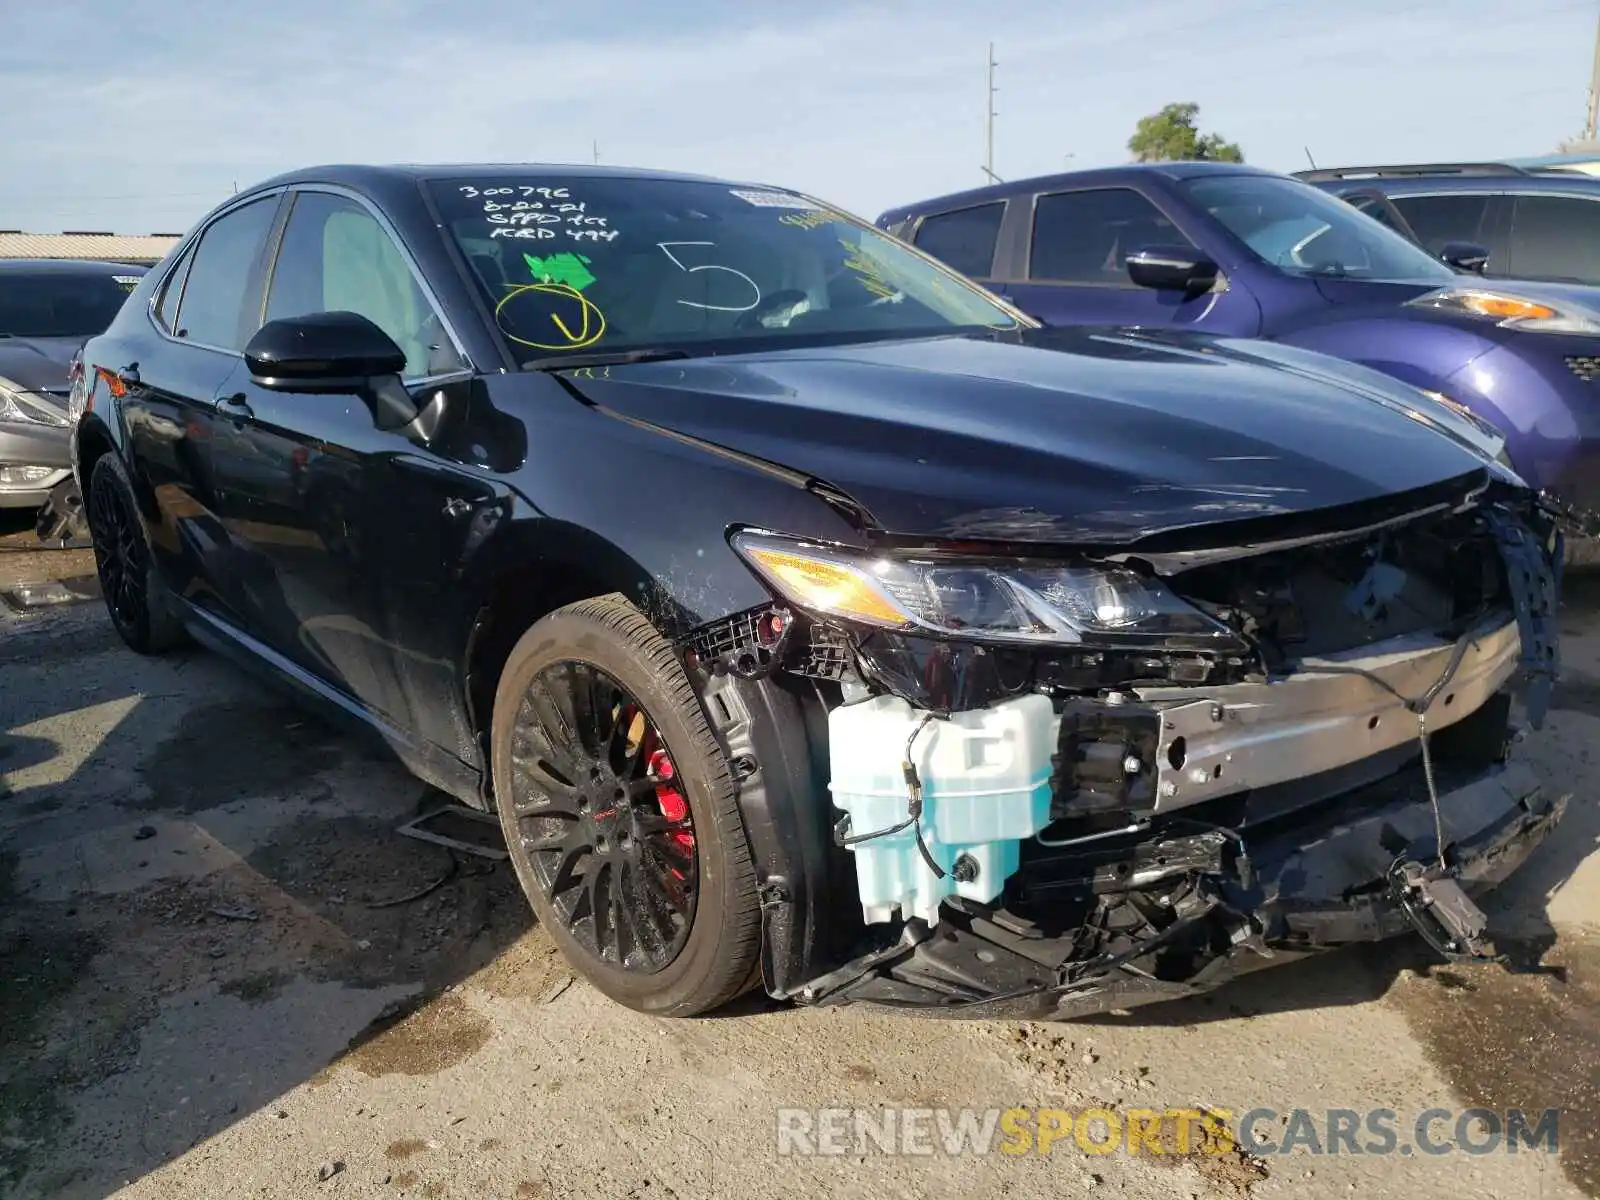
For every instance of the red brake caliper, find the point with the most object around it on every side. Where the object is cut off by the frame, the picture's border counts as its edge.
(673, 806)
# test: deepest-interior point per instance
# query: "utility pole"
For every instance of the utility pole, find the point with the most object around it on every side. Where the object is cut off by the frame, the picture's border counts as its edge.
(1594, 91)
(989, 116)
(597, 150)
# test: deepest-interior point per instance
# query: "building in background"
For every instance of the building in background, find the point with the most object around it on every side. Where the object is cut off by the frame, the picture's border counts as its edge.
(146, 249)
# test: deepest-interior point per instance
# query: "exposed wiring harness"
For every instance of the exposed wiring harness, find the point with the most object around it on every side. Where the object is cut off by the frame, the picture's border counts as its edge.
(913, 807)
(1419, 706)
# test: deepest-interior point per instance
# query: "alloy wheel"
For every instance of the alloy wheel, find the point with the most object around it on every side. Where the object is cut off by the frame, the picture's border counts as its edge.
(603, 818)
(119, 555)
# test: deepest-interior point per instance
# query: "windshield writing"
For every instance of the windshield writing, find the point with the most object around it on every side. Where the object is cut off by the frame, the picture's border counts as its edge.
(601, 264)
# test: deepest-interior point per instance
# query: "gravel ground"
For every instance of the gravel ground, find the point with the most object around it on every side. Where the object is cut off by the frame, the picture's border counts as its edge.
(215, 982)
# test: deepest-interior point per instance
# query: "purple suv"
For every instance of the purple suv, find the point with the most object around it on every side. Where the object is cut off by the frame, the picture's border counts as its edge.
(1231, 250)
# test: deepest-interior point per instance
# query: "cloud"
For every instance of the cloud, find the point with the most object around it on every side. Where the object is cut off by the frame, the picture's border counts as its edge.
(139, 115)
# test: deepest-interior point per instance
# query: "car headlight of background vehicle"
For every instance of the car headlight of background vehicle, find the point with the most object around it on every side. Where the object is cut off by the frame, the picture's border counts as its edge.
(20, 407)
(1511, 311)
(1037, 604)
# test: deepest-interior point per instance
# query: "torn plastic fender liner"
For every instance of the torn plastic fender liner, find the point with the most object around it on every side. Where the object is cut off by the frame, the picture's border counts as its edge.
(1534, 574)
(770, 736)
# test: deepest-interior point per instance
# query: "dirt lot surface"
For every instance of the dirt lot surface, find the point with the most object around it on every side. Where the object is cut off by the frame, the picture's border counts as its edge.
(222, 974)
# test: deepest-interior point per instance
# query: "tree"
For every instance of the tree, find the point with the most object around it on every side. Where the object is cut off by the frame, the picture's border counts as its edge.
(1172, 135)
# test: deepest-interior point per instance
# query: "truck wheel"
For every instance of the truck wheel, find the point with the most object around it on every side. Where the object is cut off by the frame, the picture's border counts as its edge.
(136, 597)
(620, 813)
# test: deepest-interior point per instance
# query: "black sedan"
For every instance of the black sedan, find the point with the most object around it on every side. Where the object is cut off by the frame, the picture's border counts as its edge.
(811, 617)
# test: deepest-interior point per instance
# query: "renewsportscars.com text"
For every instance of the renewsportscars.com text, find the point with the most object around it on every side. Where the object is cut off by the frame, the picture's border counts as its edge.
(1258, 1131)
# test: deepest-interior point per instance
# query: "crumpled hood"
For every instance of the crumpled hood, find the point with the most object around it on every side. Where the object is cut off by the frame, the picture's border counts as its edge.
(37, 364)
(1103, 437)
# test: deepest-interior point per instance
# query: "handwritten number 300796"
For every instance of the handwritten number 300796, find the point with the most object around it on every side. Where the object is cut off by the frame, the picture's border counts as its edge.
(677, 261)
(525, 191)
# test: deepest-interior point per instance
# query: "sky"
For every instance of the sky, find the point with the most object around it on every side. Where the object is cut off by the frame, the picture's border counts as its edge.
(137, 116)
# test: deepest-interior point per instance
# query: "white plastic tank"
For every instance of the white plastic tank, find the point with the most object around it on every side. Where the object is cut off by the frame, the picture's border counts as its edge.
(985, 777)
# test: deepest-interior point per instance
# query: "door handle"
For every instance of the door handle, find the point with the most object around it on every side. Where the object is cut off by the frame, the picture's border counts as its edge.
(238, 406)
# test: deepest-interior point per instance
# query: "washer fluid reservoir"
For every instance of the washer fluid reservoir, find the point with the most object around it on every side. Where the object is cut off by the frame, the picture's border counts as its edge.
(985, 787)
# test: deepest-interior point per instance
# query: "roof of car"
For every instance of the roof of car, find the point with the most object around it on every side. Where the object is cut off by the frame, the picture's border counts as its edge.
(1554, 181)
(1547, 174)
(1070, 179)
(358, 175)
(69, 266)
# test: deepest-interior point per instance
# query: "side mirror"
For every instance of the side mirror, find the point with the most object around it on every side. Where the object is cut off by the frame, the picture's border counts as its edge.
(340, 352)
(1172, 268)
(1465, 256)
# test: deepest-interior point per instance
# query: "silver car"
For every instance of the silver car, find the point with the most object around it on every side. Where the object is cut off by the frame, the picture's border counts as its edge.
(48, 309)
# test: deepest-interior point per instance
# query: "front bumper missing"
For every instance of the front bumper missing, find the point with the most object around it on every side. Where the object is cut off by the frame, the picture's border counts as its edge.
(1321, 883)
(1253, 735)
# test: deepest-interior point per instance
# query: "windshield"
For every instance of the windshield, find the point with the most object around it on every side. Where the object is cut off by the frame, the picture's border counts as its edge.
(1305, 231)
(595, 264)
(49, 304)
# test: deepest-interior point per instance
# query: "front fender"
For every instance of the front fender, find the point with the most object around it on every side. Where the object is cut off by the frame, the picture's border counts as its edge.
(647, 513)
(1550, 415)
(1424, 354)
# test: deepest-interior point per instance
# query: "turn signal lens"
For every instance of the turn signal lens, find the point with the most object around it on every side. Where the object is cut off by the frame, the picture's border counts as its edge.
(1512, 311)
(1506, 308)
(826, 586)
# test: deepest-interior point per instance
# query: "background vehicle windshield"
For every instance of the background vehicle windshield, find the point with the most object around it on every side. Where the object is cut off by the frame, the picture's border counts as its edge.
(599, 264)
(1302, 230)
(58, 304)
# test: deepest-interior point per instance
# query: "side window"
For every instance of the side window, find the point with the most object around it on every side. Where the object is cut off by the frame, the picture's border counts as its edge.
(336, 256)
(963, 239)
(1441, 219)
(1556, 237)
(172, 290)
(220, 271)
(1086, 237)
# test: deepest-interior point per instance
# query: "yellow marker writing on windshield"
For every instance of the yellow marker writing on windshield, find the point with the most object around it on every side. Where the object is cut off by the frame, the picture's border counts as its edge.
(587, 334)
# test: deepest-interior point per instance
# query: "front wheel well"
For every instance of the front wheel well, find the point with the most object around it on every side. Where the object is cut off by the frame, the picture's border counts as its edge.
(93, 442)
(517, 600)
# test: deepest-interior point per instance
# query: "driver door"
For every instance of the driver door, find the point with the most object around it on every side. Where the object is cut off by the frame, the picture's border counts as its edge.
(1077, 274)
(346, 533)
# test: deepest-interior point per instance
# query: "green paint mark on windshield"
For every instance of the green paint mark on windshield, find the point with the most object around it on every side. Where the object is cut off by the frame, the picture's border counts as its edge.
(570, 269)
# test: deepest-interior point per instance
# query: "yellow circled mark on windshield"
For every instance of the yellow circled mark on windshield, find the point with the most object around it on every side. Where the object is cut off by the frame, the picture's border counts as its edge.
(590, 332)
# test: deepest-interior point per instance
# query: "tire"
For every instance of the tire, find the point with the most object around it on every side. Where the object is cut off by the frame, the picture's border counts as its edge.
(136, 598)
(719, 959)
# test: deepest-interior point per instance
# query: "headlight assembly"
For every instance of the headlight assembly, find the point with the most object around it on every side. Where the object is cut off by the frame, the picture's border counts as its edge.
(1034, 604)
(19, 407)
(1511, 311)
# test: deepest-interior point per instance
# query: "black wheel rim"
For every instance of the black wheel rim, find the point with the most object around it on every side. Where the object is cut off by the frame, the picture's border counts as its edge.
(118, 554)
(602, 817)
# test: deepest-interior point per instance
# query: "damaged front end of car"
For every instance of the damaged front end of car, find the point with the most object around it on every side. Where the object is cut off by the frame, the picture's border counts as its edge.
(1013, 781)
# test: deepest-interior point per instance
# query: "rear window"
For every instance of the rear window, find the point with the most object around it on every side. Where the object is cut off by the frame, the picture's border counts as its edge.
(61, 304)
(964, 239)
